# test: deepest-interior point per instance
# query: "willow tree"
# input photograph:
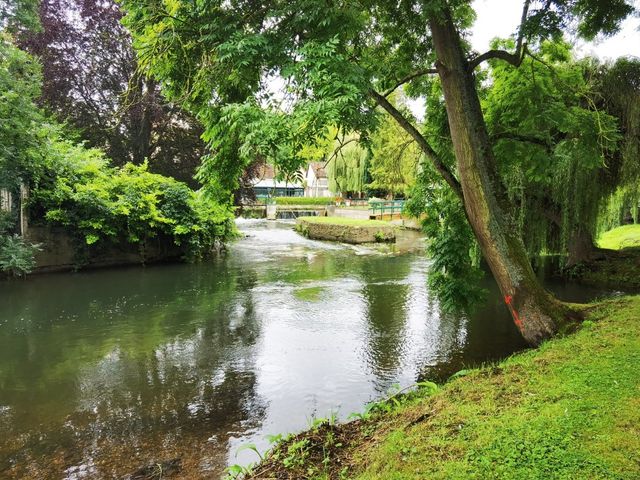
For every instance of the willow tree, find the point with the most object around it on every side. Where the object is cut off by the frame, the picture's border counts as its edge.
(567, 140)
(347, 166)
(339, 61)
(557, 147)
(618, 88)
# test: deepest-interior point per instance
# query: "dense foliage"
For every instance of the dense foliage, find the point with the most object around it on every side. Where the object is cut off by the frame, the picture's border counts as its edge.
(76, 187)
(21, 135)
(87, 196)
(91, 83)
(22, 126)
(17, 257)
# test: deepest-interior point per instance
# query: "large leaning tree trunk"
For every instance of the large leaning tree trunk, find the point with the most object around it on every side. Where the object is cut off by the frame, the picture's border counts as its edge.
(535, 312)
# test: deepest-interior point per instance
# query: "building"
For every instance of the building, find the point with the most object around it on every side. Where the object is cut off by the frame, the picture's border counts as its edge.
(317, 182)
(266, 185)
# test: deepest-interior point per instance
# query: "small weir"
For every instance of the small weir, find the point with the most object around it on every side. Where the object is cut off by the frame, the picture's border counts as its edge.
(283, 214)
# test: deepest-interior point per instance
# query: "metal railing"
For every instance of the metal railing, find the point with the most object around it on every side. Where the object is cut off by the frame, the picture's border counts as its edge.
(386, 207)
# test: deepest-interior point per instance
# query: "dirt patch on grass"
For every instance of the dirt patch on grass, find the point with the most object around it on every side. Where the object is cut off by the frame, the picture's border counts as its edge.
(322, 452)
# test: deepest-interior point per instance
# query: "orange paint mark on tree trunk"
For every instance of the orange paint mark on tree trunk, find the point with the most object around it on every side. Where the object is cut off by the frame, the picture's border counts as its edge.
(516, 318)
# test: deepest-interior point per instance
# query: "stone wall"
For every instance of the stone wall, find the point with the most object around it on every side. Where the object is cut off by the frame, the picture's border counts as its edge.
(61, 253)
(346, 233)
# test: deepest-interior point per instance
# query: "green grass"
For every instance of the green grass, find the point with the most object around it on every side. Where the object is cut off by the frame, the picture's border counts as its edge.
(352, 222)
(305, 201)
(568, 410)
(621, 237)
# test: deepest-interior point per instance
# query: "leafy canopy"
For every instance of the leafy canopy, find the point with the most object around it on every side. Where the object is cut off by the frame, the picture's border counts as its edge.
(76, 187)
(217, 57)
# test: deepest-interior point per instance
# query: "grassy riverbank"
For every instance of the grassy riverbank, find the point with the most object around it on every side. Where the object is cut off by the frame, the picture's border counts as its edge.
(618, 264)
(621, 237)
(568, 410)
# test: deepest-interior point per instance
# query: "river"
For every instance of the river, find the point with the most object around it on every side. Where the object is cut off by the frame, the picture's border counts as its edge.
(104, 372)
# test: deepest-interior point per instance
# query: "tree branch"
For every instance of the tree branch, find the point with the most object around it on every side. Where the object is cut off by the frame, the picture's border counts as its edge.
(408, 78)
(515, 58)
(448, 176)
(339, 149)
(523, 20)
(521, 138)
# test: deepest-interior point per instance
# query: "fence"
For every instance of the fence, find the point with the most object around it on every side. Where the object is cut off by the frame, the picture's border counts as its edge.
(388, 207)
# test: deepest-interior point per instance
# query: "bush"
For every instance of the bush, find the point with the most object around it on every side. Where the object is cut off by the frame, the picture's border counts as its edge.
(7, 222)
(16, 255)
(100, 203)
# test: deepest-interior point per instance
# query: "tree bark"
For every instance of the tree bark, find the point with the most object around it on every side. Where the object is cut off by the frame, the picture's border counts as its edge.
(581, 247)
(141, 125)
(535, 311)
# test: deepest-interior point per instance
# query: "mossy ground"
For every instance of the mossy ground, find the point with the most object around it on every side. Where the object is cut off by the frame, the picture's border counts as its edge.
(568, 410)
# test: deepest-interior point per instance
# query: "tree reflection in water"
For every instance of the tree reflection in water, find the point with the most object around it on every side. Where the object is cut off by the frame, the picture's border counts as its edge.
(104, 372)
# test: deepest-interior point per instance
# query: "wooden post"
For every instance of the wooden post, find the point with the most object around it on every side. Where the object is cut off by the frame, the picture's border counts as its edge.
(6, 202)
(24, 220)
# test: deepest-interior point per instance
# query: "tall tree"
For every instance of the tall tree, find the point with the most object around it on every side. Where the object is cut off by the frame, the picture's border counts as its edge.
(340, 61)
(395, 156)
(23, 129)
(90, 81)
(347, 166)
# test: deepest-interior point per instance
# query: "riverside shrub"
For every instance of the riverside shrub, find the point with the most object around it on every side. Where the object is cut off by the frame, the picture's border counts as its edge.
(100, 203)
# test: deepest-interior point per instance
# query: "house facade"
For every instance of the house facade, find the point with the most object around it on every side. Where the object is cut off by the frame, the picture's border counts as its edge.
(316, 180)
(266, 185)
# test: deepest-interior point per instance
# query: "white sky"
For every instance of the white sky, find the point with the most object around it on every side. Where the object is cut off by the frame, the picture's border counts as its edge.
(500, 18)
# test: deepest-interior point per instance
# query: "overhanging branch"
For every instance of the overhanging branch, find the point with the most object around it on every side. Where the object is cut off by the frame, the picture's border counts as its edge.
(522, 138)
(437, 162)
(408, 78)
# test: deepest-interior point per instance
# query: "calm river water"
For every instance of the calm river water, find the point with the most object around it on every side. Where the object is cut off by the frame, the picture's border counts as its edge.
(104, 372)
